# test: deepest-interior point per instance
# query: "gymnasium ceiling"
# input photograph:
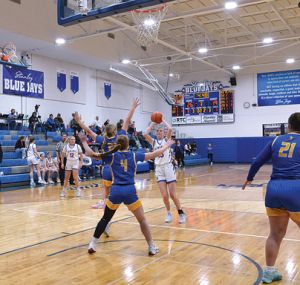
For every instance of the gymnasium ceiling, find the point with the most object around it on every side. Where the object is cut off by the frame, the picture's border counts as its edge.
(233, 37)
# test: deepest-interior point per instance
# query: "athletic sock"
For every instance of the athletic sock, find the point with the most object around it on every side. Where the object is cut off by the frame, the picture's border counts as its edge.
(180, 212)
(94, 240)
(270, 268)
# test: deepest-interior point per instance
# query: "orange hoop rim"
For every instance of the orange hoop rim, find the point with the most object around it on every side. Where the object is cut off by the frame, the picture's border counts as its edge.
(162, 7)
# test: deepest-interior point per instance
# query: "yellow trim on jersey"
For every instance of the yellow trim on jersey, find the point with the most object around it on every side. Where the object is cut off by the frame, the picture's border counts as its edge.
(275, 212)
(295, 216)
(134, 206)
(112, 206)
(275, 140)
(106, 183)
(112, 173)
(135, 165)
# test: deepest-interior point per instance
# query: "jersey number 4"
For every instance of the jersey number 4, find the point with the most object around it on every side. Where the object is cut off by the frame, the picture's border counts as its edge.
(287, 149)
(124, 164)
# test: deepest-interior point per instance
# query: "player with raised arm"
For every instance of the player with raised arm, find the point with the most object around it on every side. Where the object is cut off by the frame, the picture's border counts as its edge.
(107, 142)
(165, 171)
(123, 167)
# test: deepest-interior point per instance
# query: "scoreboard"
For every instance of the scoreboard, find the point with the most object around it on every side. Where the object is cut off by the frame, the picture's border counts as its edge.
(203, 103)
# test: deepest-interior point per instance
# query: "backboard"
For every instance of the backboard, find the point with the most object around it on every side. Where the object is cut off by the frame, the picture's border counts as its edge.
(70, 12)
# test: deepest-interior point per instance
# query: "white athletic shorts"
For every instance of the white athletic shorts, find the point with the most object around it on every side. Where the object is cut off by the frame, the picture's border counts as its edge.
(165, 173)
(32, 160)
(72, 165)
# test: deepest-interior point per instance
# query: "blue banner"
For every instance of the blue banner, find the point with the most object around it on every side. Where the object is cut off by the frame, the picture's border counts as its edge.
(61, 80)
(74, 78)
(107, 90)
(23, 82)
(278, 88)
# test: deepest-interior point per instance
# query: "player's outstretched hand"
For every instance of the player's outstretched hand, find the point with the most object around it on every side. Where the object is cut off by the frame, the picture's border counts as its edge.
(170, 142)
(136, 102)
(247, 182)
(77, 117)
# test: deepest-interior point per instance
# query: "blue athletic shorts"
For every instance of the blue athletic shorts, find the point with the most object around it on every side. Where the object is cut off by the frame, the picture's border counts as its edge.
(106, 175)
(123, 194)
(283, 198)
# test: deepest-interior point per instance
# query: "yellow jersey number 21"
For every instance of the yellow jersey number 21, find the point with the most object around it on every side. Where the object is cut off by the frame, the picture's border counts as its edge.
(287, 149)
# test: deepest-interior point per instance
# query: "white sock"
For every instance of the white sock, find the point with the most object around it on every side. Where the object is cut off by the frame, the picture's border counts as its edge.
(64, 189)
(40, 178)
(78, 188)
(94, 240)
(151, 243)
(270, 268)
(31, 180)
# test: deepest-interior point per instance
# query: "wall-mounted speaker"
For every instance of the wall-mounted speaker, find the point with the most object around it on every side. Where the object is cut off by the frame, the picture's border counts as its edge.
(232, 81)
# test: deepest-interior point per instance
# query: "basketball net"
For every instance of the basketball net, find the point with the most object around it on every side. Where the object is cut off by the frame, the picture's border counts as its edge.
(148, 23)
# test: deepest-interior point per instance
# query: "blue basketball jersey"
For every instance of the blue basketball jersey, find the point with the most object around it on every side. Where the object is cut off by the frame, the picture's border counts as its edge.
(123, 167)
(285, 154)
(108, 144)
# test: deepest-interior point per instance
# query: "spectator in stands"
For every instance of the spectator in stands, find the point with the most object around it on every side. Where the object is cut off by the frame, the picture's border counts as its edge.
(210, 153)
(193, 148)
(11, 119)
(179, 154)
(20, 146)
(59, 123)
(96, 125)
(86, 169)
(33, 122)
(51, 126)
(1, 153)
(142, 141)
(131, 129)
(44, 168)
(74, 125)
(188, 149)
(104, 125)
(51, 166)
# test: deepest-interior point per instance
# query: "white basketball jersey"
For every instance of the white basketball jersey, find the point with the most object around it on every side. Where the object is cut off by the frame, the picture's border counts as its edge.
(165, 158)
(50, 162)
(31, 149)
(72, 152)
(43, 163)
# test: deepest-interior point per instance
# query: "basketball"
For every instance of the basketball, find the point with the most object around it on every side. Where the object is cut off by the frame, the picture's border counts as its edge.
(5, 57)
(156, 117)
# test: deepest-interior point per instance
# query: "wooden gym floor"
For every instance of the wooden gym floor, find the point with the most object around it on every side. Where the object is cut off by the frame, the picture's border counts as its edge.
(43, 239)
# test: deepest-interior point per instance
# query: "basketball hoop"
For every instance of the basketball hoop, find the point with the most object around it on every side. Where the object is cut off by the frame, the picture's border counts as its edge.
(148, 23)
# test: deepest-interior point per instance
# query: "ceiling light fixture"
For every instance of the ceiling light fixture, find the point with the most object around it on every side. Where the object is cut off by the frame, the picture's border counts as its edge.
(268, 40)
(236, 67)
(60, 41)
(202, 50)
(230, 5)
(171, 74)
(290, 60)
(125, 61)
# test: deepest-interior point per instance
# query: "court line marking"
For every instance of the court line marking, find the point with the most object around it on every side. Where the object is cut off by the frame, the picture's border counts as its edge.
(208, 231)
(185, 244)
(71, 234)
(164, 226)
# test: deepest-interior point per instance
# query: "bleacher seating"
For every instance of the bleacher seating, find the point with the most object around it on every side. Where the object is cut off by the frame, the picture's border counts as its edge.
(190, 160)
(14, 168)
